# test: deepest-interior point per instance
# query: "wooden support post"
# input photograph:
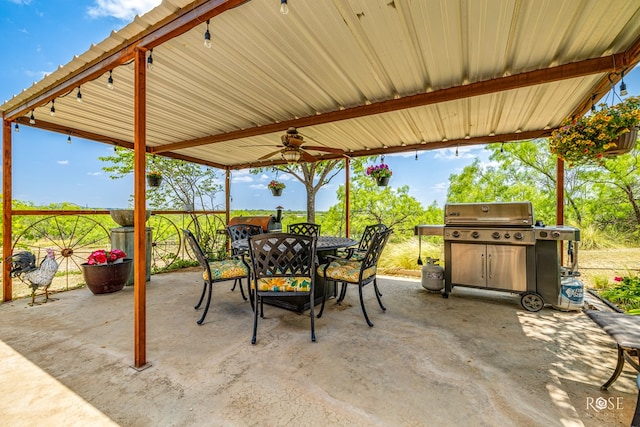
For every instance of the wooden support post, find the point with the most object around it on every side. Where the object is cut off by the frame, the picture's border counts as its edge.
(7, 289)
(347, 196)
(560, 201)
(140, 252)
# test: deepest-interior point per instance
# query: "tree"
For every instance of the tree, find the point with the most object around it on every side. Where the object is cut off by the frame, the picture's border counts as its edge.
(312, 175)
(185, 184)
(371, 204)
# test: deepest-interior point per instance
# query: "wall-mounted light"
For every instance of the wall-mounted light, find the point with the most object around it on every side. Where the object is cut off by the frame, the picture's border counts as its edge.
(150, 60)
(79, 95)
(284, 7)
(110, 80)
(207, 37)
(53, 108)
(32, 118)
(623, 86)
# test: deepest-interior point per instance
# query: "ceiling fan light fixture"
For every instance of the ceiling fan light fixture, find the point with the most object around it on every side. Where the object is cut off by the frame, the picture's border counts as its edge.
(291, 155)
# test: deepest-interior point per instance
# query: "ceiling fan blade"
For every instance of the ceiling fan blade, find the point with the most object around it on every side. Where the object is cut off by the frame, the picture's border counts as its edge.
(307, 157)
(327, 149)
(270, 155)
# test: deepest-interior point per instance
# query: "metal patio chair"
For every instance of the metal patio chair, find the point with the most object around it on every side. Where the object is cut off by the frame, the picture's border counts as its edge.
(283, 265)
(359, 273)
(357, 253)
(305, 229)
(216, 271)
(237, 232)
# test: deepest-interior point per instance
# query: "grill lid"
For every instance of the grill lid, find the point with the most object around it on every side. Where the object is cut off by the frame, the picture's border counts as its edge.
(496, 214)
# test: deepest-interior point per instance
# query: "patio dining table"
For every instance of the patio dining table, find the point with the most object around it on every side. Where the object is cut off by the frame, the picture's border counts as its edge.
(326, 245)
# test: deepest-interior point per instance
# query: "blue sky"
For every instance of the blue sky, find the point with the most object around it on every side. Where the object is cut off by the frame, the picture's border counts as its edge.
(40, 35)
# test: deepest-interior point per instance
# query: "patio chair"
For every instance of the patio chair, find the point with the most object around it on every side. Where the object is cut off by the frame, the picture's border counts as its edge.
(238, 232)
(359, 273)
(357, 253)
(216, 271)
(305, 229)
(283, 265)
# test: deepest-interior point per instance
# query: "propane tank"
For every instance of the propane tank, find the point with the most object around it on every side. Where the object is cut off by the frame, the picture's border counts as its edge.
(432, 276)
(571, 296)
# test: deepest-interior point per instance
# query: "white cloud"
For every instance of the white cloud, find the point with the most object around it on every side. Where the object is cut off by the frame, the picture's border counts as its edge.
(63, 162)
(24, 2)
(121, 9)
(241, 176)
(94, 173)
(441, 186)
(257, 186)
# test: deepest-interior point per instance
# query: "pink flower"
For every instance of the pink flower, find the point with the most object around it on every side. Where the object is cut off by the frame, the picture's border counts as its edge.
(618, 279)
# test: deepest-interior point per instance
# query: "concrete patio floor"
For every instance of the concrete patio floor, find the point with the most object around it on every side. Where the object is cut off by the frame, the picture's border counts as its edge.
(476, 358)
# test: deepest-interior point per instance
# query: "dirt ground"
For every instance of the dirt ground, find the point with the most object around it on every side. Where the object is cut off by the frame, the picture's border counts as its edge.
(476, 358)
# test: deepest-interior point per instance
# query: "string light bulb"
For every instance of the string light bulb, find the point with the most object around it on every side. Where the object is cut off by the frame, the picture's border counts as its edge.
(110, 80)
(32, 118)
(207, 37)
(284, 7)
(457, 151)
(150, 60)
(593, 103)
(79, 95)
(623, 86)
(53, 108)
(16, 128)
(69, 138)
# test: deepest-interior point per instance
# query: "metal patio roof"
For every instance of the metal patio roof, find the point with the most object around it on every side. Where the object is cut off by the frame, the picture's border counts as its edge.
(365, 76)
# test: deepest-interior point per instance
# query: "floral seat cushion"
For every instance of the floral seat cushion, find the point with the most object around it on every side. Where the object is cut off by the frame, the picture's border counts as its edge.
(345, 271)
(283, 284)
(226, 269)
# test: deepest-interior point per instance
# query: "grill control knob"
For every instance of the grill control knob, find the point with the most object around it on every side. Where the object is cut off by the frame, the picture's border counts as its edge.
(507, 235)
(456, 233)
(555, 234)
(518, 235)
(475, 234)
(495, 235)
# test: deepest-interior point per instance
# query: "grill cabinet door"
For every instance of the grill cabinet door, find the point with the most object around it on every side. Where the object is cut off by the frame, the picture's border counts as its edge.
(468, 264)
(507, 267)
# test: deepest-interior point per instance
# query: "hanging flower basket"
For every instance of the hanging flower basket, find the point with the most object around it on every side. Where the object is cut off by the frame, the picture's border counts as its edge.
(626, 142)
(276, 187)
(382, 182)
(154, 179)
(380, 173)
(611, 130)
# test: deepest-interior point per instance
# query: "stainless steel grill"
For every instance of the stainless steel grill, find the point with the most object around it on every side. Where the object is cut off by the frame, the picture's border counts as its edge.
(497, 246)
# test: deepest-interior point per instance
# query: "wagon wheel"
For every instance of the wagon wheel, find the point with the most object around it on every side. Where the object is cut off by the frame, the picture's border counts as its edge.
(211, 234)
(532, 301)
(72, 238)
(166, 242)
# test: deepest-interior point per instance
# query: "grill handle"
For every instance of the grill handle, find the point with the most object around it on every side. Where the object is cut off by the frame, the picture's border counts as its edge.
(482, 265)
(490, 269)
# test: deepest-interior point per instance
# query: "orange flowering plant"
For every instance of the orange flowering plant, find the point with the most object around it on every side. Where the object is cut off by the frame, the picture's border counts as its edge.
(585, 140)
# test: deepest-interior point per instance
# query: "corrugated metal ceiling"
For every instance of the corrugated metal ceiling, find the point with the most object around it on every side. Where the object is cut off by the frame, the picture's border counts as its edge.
(328, 57)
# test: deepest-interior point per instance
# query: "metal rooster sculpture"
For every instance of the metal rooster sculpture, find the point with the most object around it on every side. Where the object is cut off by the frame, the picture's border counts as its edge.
(23, 266)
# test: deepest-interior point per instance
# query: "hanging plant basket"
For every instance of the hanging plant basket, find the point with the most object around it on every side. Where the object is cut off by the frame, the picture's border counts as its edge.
(609, 131)
(154, 180)
(276, 187)
(625, 143)
(276, 191)
(382, 182)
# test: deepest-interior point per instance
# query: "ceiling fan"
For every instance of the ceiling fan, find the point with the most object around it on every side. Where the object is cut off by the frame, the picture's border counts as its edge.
(293, 149)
